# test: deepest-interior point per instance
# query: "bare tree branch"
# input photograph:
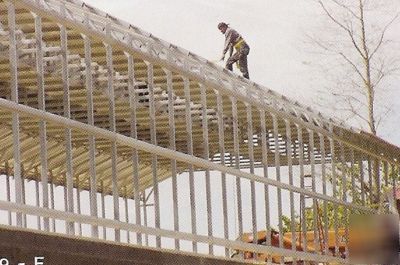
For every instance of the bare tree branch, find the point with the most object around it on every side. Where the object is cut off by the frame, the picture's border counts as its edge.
(361, 70)
(356, 112)
(382, 35)
(353, 65)
(343, 27)
(346, 8)
(363, 33)
(383, 116)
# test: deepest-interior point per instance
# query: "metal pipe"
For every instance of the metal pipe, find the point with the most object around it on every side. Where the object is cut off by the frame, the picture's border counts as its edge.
(91, 138)
(278, 177)
(386, 173)
(377, 177)
(264, 141)
(42, 106)
(313, 187)
(153, 135)
(52, 205)
(206, 156)
(189, 145)
(362, 186)
(69, 166)
(127, 214)
(352, 173)
(250, 147)
(221, 144)
(370, 177)
(69, 226)
(135, 155)
(236, 150)
(335, 194)
(289, 153)
(144, 200)
(8, 190)
(78, 203)
(24, 222)
(103, 208)
(112, 122)
(14, 97)
(344, 195)
(37, 193)
(172, 146)
(302, 196)
(324, 190)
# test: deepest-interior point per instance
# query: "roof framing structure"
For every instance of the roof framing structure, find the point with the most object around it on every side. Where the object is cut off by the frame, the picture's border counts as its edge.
(85, 24)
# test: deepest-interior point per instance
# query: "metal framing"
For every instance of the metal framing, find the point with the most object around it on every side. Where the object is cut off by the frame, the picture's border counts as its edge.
(189, 143)
(15, 116)
(221, 144)
(113, 111)
(41, 104)
(206, 156)
(290, 173)
(133, 134)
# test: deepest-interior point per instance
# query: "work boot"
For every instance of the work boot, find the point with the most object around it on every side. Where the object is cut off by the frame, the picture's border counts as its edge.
(229, 66)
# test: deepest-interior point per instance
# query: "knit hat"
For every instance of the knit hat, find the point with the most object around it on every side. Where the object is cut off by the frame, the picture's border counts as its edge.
(222, 24)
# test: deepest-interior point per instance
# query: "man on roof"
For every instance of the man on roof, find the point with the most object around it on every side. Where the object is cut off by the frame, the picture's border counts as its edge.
(234, 40)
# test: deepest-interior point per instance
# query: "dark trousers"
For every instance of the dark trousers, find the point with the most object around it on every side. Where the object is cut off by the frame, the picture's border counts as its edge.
(241, 57)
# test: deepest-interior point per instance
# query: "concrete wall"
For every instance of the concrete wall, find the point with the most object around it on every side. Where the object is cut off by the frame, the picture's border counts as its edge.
(22, 246)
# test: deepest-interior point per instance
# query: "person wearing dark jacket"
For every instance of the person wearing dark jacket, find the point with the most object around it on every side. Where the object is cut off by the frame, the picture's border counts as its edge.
(233, 40)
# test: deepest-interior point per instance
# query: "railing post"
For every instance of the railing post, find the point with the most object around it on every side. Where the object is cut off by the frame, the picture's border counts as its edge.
(335, 192)
(42, 123)
(324, 190)
(8, 190)
(236, 151)
(133, 134)
(221, 144)
(289, 153)
(112, 121)
(264, 148)
(13, 57)
(189, 137)
(206, 156)
(278, 177)
(303, 224)
(90, 117)
(52, 203)
(250, 148)
(153, 136)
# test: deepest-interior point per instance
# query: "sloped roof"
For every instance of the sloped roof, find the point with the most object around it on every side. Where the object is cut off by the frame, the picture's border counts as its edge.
(165, 59)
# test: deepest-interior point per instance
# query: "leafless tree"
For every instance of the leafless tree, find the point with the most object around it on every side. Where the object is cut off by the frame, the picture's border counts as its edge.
(358, 43)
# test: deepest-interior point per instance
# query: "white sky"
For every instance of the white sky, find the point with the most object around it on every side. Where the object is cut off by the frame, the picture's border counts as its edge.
(274, 29)
(192, 25)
